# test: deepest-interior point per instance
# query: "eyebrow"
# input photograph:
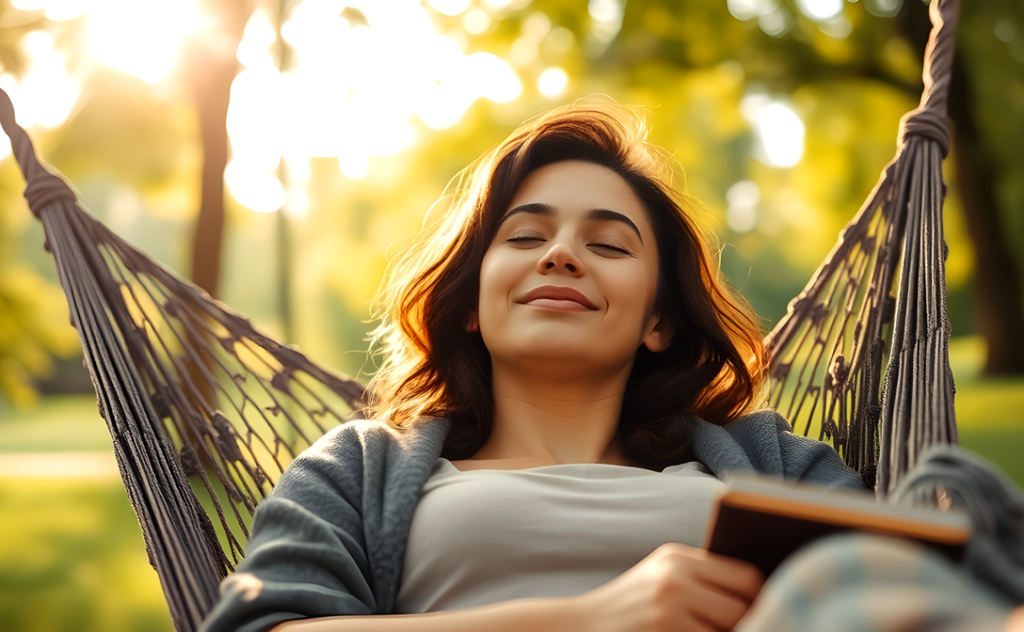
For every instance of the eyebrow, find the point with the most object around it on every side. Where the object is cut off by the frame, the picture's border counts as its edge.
(597, 214)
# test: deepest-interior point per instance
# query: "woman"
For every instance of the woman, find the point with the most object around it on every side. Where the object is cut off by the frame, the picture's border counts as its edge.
(564, 341)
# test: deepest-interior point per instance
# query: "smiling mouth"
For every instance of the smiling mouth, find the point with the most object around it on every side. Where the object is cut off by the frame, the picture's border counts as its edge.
(559, 299)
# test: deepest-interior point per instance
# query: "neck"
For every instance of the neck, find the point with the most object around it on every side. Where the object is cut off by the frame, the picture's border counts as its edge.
(548, 419)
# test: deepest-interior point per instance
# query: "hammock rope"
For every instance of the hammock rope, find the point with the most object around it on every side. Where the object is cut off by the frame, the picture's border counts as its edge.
(188, 389)
(855, 316)
(205, 412)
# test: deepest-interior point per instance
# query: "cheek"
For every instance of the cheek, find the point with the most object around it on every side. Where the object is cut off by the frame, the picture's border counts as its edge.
(633, 291)
(497, 279)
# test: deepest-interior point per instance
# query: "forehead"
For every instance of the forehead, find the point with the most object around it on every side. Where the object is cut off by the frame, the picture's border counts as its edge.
(576, 186)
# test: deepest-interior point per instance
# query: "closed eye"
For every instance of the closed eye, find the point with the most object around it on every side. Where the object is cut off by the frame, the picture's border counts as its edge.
(612, 248)
(524, 239)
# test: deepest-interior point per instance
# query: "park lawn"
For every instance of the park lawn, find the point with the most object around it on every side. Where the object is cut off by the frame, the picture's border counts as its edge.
(990, 421)
(72, 559)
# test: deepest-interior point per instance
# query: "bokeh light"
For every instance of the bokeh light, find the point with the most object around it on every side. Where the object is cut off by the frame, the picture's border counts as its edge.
(779, 131)
(141, 38)
(771, 17)
(820, 9)
(476, 22)
(54, 9)
(742, 199)
(450, 7)
(606, 16)
(355, 90)
(552, 82)
(46, 94)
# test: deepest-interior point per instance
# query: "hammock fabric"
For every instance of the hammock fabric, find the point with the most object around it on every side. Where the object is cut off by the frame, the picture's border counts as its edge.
(205, 412)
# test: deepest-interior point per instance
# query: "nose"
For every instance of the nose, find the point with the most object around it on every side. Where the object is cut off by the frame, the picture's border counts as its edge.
(560, 258)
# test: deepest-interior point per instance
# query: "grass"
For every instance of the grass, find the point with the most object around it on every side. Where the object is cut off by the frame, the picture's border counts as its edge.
(56, 424)
(72, 556)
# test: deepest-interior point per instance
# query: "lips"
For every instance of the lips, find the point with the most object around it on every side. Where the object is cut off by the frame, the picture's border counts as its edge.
(547, 293)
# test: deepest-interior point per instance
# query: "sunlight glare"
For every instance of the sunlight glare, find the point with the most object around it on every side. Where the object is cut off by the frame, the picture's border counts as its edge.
(820, 10)
(141, 38)
(749, 9)
(354, 167)
(297, 172)
(254, 110)
(56, 10)
(449, 7)
(259, 36)
(607, 19)
(552, 82)
(604, 10)
(254, 189)
(46, 94)
(397, 18)
(780, 132)
(476, 21)
(495, 79)
(353, 91)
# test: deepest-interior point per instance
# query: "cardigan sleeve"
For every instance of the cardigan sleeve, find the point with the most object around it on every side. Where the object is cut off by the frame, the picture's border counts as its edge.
(307, 553)
(330, 539)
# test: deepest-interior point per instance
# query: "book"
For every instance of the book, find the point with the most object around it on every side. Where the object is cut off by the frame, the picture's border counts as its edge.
(763, 520)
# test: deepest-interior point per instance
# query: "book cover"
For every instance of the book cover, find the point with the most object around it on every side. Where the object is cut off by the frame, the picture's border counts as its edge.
(764, 520)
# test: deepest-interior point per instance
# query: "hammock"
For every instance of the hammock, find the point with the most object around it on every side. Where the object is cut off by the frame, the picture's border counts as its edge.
(205, 412)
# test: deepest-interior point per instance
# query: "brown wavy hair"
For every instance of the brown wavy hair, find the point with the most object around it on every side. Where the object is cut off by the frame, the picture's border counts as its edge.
(714, 368)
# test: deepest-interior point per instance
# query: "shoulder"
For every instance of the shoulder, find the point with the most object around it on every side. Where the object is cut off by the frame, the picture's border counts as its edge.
(362, 458)
(354, 444)
(763, 442)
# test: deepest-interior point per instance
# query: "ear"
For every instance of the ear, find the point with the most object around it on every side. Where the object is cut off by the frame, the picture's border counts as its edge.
(659, 336)
(471, 322)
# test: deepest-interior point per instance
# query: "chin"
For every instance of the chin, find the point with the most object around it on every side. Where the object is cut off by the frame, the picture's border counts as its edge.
(563, 351)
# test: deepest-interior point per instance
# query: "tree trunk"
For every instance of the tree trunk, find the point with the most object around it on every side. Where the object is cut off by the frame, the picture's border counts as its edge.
(999, 298)
(999, 301)
(210, 67)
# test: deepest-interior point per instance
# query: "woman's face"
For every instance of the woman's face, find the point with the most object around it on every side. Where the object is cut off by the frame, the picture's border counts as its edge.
(569, 280)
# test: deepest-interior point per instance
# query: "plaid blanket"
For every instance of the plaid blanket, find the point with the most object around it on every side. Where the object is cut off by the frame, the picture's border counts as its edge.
(865, 583)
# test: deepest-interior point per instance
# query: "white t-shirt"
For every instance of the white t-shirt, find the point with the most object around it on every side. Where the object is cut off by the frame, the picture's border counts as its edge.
(484, 536)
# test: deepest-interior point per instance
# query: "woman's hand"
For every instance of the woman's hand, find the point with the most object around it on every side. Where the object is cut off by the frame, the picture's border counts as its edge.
(675, 588)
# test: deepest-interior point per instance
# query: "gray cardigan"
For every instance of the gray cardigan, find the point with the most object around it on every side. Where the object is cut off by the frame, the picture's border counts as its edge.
(331, 538)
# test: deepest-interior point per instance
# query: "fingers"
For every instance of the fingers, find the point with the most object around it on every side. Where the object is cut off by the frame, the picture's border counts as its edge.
(721, 611)
(731, 575)
(727, 574)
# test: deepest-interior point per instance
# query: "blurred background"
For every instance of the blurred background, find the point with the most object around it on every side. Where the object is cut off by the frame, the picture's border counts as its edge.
(307, 140)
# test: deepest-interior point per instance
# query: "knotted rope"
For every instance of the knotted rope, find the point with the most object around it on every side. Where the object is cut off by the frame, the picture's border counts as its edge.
(42, 187)
(929, 120)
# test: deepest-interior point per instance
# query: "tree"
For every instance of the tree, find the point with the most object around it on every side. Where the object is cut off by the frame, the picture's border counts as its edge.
(210, 67)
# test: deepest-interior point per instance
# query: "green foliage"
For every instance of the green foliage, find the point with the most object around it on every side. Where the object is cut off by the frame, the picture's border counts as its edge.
(33, 311)
(690, 62)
